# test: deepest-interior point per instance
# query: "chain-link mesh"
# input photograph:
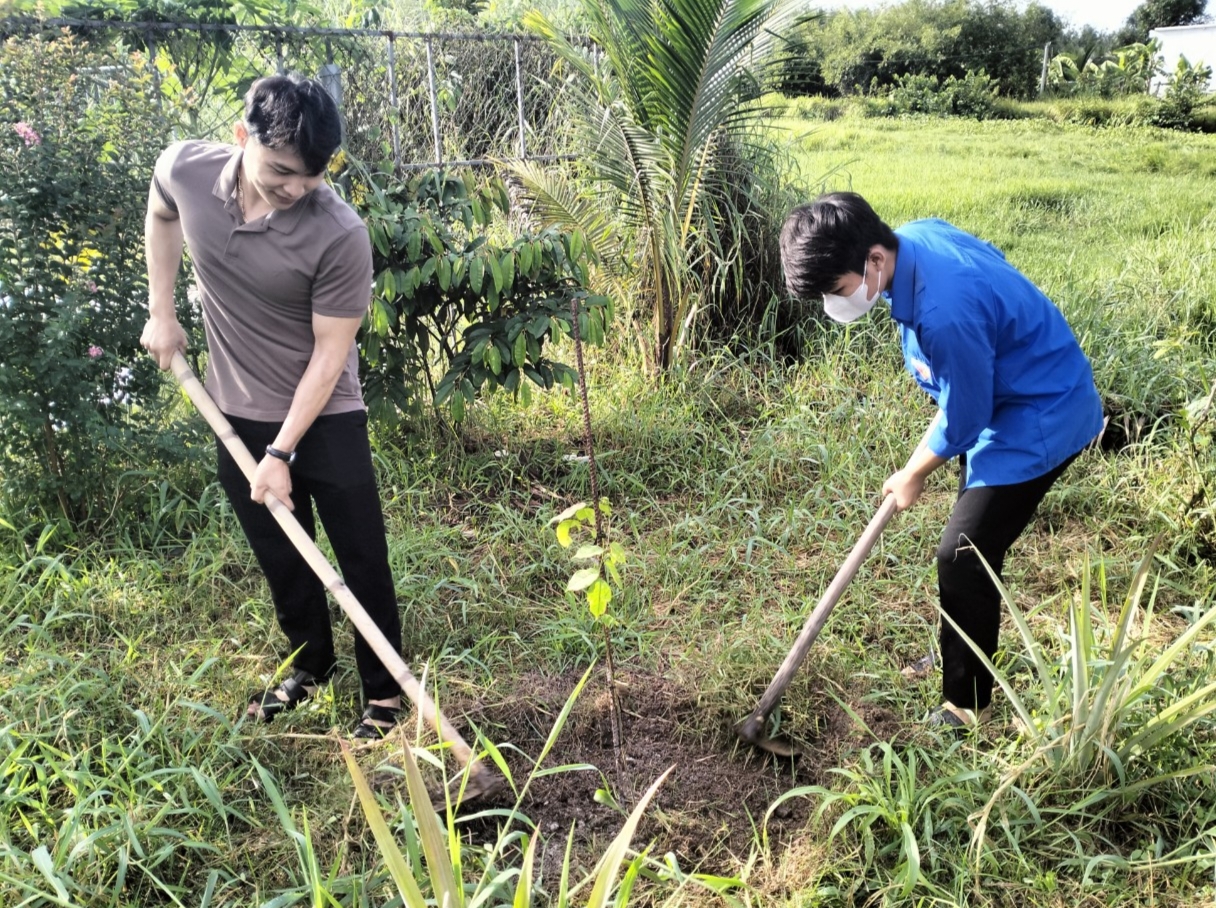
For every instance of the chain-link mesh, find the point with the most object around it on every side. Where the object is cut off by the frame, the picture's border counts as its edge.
(413, 100)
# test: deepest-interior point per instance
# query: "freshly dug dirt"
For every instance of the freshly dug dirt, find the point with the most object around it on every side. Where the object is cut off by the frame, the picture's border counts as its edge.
(711, 805)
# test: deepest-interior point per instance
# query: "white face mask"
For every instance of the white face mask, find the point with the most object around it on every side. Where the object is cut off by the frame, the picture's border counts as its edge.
(856, 304)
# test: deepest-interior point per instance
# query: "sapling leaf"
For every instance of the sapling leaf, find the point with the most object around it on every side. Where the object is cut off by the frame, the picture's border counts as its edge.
(599, 594)
(563, 532)
(610, 567)
(582, 579)
(588, 551)
(569, 512)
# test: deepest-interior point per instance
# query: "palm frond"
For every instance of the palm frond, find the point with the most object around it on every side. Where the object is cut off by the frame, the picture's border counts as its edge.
(556, 202)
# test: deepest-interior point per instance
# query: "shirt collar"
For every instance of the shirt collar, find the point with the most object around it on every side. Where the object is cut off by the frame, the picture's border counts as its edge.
(225, 190)
(903, 288)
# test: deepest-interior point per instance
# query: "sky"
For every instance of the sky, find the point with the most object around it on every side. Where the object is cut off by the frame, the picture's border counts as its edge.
(1104, 15)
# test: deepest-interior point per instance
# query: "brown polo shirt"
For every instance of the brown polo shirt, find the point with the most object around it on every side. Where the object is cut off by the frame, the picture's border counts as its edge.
(260, 283)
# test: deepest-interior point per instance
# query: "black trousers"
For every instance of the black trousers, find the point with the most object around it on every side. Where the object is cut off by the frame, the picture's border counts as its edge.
(333, 470)
(988, 519)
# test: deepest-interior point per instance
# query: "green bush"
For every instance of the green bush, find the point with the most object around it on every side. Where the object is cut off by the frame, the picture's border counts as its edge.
(817, 107)
(972, 96)
(448, 296)
(1183, 94)
(1096, 111)
(75, 387)
(1203, 117)
(914, 93)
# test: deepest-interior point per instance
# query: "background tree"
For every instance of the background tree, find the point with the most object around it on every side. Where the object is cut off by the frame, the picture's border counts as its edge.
(1159, 14)
(866, 50)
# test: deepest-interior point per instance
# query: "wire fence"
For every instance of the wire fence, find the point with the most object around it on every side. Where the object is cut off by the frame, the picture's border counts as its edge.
(408, 99)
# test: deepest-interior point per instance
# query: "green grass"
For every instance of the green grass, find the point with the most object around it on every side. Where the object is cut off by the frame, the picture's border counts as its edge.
(738, 487)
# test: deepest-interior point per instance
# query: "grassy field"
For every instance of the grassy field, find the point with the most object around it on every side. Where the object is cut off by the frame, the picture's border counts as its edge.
(737, 488)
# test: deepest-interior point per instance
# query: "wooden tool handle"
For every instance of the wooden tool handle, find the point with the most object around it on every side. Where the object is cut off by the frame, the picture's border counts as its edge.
(818, 617)
(324, 570)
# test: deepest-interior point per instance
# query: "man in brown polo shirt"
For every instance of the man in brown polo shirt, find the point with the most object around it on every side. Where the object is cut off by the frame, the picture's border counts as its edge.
(284, 269)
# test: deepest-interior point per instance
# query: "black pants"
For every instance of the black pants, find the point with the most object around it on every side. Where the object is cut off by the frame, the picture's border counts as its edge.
(988, 519)
(333, 470)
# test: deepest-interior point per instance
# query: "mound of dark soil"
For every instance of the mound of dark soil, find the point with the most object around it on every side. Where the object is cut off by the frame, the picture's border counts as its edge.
(712, 804)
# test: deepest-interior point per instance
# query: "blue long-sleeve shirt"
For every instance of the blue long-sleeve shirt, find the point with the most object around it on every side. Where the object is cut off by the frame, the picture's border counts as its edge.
(1015, 390)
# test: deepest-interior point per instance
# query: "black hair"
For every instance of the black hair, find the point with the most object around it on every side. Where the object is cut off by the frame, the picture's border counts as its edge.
(828, 238)
(292, 112)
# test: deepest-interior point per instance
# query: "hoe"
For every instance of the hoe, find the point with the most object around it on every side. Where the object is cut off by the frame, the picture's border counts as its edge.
(751, 729)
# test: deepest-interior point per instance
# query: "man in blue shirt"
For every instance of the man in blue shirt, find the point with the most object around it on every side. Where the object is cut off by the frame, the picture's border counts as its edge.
(1015, 396)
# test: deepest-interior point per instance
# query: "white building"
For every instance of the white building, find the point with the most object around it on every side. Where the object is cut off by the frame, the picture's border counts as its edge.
(1195, 42)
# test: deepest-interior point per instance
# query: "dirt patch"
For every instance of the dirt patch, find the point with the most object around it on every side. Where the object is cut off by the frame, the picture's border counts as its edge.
(712, 804)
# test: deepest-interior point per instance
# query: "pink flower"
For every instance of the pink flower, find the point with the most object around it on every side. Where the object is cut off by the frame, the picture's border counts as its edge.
(27, 133)
(90, 286)
(95, 351)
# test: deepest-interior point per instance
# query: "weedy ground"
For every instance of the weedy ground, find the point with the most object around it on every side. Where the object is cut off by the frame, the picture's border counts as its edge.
(738, 486)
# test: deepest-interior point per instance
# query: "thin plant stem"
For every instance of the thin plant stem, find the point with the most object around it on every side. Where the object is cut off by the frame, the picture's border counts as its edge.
(614, 706)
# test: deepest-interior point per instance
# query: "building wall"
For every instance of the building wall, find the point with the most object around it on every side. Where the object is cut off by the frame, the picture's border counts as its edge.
(1195, 42)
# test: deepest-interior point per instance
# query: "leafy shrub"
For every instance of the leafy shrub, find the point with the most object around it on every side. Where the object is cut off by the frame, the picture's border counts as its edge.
(1183, 94)
(447, 295)
(915, 93)
(817, 107)
(75, 387)
(974, 95)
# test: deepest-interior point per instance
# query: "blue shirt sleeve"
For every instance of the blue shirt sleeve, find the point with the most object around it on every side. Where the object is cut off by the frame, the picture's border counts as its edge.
(962, 351)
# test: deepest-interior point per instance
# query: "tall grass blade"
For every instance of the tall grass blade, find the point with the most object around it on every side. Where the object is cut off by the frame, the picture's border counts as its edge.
(394, 860)
(610, 863)
(435, 845)
(1169, 657)
(523, 887)
(42, 860)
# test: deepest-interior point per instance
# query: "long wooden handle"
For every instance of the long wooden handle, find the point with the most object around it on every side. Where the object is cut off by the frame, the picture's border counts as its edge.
(317, 561)
(819, 615)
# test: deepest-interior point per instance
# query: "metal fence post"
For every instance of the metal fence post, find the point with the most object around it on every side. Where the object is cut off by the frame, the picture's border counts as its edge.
(519, 99)
(394, 109)
(152, 52)
(280, 61)
(430, 73)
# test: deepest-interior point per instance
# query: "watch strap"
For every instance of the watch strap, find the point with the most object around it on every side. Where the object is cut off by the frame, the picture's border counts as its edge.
(288, 457)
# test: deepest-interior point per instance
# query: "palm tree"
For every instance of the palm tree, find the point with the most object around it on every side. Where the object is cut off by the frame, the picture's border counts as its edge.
(663, 111)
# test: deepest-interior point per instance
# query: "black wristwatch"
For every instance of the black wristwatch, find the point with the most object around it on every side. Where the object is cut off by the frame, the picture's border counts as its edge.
(288, 457)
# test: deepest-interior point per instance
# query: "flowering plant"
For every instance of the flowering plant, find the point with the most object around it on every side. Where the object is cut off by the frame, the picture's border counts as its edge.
(75, 386)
